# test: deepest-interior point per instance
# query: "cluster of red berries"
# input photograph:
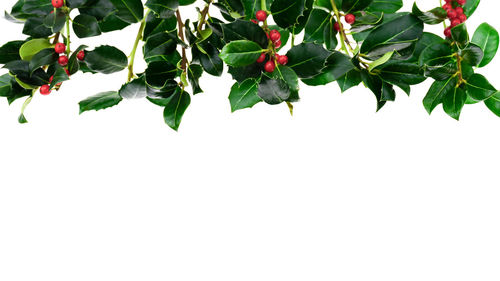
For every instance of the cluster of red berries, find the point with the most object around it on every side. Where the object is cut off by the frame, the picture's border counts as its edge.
(275, 37)
(349, 18)
(63, 61)
(455, 14)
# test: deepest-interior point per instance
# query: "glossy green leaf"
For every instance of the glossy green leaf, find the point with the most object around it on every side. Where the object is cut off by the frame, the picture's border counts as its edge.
(135, 89)
(472, 54)
(241, 53)
(315, 27)
(175, 108)
(349, 6)
(159, 73)
(478, 87)
(10, 51)
(163, 8)
(385, 6)
(245, 30)
(286, 13)
(487, 38)
(434, 16)
(100, 101)
(130, 11)
(42, 58)
(493, 103)
(244, 95)
(395, 35)
(307, 59)
(273, 91)
(337, 65)
(470, 7)
(106, 59)
(86, 26)
(454, 101)
(437, 91)
(460, 35)
(33, 47)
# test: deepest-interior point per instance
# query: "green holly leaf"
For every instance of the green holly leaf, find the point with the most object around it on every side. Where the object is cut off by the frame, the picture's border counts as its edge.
(337, 65)
(478, 87)
(454, 101)
(130, 11)
(158, 45)
(163, 8)
(460, 35)
(286, 13)
(106, 59)
(241, 53)
(244, 95)
(59, 76)
(10, 51)
(42, 58)
(434, 16)
(307, 59)
(175, 108)
(395, 35)
(159, 73)
(487, 38)
(86, 26)
(350, 6)
(437, 92)
(100, 101)
(273, 91)
(245, 30)
(315, 26)
(135, 89)
(472, 54)
(493, 103)
(385, 6)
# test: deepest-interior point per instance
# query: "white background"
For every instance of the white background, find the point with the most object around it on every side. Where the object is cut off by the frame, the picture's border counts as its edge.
(338, 192)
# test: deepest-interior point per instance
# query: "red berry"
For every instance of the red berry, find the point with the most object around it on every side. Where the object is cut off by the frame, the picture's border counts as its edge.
(51, 78)
(261, 15)
(350, 18)
(262, 58)
(63, 60)
(57, 3)
(336, 26)
(45, 90)
(452, 14)
(60, 48)
(455, 22)
(462, 17)
(277, 44)
(461, 2)
(80, 55)
(270, 66)
(274, 35)
(447, 32)
(283, 60)
(459, 10)
(67, 71)
(447, 6)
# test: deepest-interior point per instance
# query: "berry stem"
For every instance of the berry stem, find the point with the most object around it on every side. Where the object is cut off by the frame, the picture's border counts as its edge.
(134, 49)
(181, 35)
(68, 34)
(343, 37)
(263, 5)
(204, 14)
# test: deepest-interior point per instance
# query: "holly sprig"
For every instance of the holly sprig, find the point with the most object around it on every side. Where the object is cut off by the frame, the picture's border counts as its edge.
(350, 42)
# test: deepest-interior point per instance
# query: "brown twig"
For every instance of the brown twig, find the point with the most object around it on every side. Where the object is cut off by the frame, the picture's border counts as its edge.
(181, 35)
